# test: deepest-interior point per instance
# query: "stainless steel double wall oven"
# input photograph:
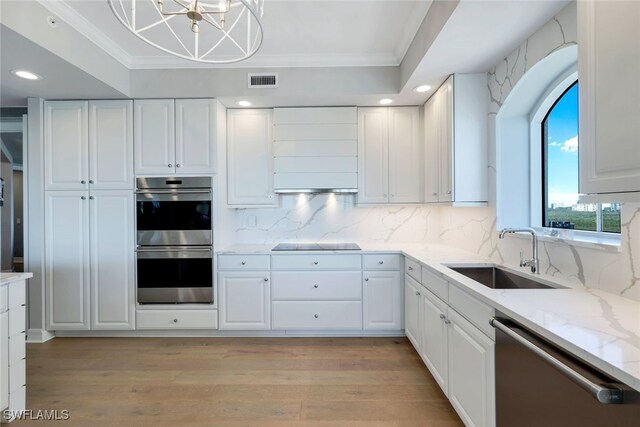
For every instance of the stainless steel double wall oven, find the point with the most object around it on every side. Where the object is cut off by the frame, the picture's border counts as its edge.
(174, 240)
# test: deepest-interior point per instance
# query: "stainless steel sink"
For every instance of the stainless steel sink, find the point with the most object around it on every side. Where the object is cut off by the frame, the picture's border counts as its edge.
(497, 278)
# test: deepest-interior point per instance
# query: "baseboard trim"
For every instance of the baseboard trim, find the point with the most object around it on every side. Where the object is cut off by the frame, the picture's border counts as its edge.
(230, 334)
(39, 336)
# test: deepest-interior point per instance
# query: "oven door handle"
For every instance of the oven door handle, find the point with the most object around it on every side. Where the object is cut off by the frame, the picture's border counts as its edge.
(173, 249)
(176, 191)
(602, 394)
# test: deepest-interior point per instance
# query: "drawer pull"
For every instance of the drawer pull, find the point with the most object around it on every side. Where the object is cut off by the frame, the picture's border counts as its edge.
(366, 279)
(243, 263)
(380, 262)
(175, 320)
(315, 286)
(447, 322)
(315, 315)
(266, 279)
(315, 262)
(410, 268)
(442, 316)
(417, 293)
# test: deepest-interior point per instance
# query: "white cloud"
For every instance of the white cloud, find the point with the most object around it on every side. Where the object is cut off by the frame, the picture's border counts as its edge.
(570, 145)
(554, 144)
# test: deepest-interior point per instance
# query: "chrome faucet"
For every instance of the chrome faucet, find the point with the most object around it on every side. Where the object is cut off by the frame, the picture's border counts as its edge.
(533, 263)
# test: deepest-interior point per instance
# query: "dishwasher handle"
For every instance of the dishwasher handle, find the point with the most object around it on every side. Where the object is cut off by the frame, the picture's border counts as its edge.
(602, 394)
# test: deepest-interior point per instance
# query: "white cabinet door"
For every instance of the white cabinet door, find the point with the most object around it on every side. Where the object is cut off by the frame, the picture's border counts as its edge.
(444, 120)
(65, 145)
(412, 292)
(471, 372)
(435, 351)
(250, 158)
(111, 145)
(245, 300)
(405, 155)
(373, 155)
(4, 360)
(67, 260)
(112, 260)
(154, 136)
(609, 66)
(195, 136)
(432, 161)
(382, 300)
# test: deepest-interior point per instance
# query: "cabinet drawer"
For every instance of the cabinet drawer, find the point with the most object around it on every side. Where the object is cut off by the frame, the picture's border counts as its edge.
(412, 268)
(243, 262)
(17, 320)
(473, 310)
(17, 294)
(17, 375)
(317, 315)
(177, 319)
(316, 286)
(435, 284)
(381, 262)
(4, 298)
(316, 262)
(17, 348)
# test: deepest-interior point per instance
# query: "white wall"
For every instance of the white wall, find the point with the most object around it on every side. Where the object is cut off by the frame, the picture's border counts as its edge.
(603, 268)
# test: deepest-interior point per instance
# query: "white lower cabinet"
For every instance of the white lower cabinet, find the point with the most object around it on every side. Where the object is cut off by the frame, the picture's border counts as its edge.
(4, 360)
(382, 300)
(471, 372)
(176, 319)
(435, 338)
(412, 300)
(245, 300)
(317, 315)
(12, 348)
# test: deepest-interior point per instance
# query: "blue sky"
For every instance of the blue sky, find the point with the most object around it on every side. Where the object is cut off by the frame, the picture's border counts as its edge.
(562, 149)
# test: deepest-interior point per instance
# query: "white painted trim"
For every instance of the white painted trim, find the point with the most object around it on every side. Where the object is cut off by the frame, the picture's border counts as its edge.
(39, 336)
(410, 30)
(218, 333)
(74, 19)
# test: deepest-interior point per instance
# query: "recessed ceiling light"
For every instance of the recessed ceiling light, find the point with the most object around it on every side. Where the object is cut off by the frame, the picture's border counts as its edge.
(385, 101)
(244, 103)
(26, 74)
(422, 88)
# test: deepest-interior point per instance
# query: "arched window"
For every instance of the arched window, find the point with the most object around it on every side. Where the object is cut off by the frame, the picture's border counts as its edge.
(560, 205)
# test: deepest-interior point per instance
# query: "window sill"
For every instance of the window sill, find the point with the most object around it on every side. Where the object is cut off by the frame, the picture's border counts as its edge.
(601, 241)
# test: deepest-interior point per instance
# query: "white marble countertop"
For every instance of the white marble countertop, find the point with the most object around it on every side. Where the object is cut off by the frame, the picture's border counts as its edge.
(599, 327)
(6, 278)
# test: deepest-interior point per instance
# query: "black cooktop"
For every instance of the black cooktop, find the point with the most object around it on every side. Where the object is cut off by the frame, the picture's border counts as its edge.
(317, 247)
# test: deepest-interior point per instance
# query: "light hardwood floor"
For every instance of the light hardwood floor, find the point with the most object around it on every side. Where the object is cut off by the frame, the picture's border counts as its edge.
(234, 382)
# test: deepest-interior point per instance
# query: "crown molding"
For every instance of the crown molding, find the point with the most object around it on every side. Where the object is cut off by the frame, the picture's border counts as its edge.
(78, 22)
(410, 30)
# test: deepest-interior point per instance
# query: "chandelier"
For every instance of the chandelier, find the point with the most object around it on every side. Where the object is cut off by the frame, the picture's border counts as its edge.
(213, 32)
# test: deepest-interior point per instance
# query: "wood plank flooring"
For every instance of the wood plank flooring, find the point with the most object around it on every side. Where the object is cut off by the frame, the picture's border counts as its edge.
(234, 382)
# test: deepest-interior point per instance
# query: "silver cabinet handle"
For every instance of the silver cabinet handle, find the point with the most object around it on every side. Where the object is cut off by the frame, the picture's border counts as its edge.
(83, 182)
(442, 316)
(82, 198)
(410, 268)
(417, 293)
(449, 192)
(170, 165)
(177, 165)
(366, 279)
(243, 263)
(266, 279)
(447, 322)
(380, 262)
(315, 262)
(91, 197)
(315, 286)
(90, 181)
(602, 394)
(315, 315)
(175, 320)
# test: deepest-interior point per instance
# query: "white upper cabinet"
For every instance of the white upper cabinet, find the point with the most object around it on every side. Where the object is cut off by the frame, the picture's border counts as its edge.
(406, 151)
(250, 158)
(154, 136)
(390, 155)
(112, 259)
(195, 136)
(609, 98)
(66, 148)
(67, 260)
(111, 145)
(456, 156)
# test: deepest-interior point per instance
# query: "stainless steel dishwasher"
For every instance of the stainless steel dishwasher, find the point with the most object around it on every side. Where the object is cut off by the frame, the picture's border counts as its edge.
(538, 384)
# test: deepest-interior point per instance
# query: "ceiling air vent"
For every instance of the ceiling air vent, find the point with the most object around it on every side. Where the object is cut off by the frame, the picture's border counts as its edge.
(263, 80)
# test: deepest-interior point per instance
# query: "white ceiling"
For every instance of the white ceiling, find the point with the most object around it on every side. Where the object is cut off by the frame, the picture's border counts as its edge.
(297, 33)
